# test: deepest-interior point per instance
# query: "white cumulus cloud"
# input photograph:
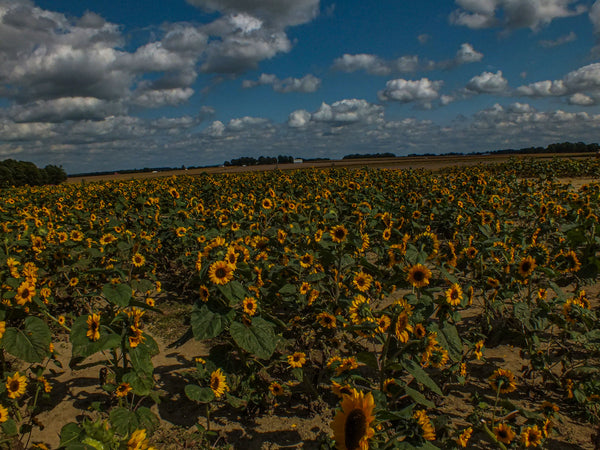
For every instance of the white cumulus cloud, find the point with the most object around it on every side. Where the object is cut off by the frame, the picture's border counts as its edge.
(513, 14)
(423, 91)
(488, 83)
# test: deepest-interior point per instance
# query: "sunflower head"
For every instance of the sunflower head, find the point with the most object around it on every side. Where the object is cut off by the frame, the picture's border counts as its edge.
(418, 275)
(339, 233)
(352, 424)
(502, 380)
(218, 383)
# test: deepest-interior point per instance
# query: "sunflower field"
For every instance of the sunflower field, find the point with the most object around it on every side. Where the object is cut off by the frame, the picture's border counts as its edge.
(368, 296)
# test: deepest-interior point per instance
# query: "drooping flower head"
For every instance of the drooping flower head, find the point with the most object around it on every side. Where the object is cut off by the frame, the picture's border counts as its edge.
(352, 424)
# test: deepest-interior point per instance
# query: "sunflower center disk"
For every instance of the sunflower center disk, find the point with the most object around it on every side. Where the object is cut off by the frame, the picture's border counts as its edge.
(355, 429)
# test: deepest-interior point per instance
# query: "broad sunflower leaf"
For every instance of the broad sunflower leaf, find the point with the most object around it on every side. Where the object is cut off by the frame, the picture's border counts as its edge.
(141, 382)
(450, 338)
(421, 376)
(258, 339)
(199, 394)
(83, 346)
(140, 359)
(288, 289)
(233, 291)
(69, 434)
(9, 428)
(117, 294)
(207, 324)
(31, 344)
(418, 397)
(123, 421)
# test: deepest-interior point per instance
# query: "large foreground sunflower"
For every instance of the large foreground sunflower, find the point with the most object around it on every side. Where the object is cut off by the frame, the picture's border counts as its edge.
(418, 275)
(352, 424)
(220, 272)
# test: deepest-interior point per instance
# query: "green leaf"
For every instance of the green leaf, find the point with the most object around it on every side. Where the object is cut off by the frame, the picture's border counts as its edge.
(418, 397)
(421, 376)
(288, 289)
(9, 428)
(258, 339)
(233, 291)
(123, 421)
(369, 359)
(69, 434)
(31, 344)
(140, 360)
(83, 346)
(147, 419)
(450, 339)
(199, 394)
(207, 324)
(117, 294)
(141, 382)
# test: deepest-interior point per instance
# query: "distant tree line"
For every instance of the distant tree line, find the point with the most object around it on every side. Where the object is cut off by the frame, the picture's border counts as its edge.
(19, 173)
(251, 161)
(369, 155)
(559, 147)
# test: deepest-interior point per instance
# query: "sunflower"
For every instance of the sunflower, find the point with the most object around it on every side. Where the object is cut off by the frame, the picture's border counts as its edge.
(15, 385)
(25, 293)
(526, 266)
(504, 433)
(339, 233)
(204, 293)
(2, 328)
(352, 423)
(464, 437)
(76, 235)
(220, 272)
(362, 281)
(249, 305)
(494, 283)
(218, 383)
(3, 414)
(93, 322)
(267, 203)
(425, 424)
(306, 260)
(502, 380)
(531, 436)
(123, 389)
(360, 309)
(454, 295)
(403, 327)
(296, 359)
(138, 260)
(470, 252)
(304, 288)
(138, 440)
(181, 231)
(107, 239)
(326, 320)
(341, 389)
(276, 388)
(383, 323)
(420, 331)
(418, 275)
(389, 385)
(387, 234)
(479, 349)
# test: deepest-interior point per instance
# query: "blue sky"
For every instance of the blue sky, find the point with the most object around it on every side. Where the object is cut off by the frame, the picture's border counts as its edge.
(137, 83)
